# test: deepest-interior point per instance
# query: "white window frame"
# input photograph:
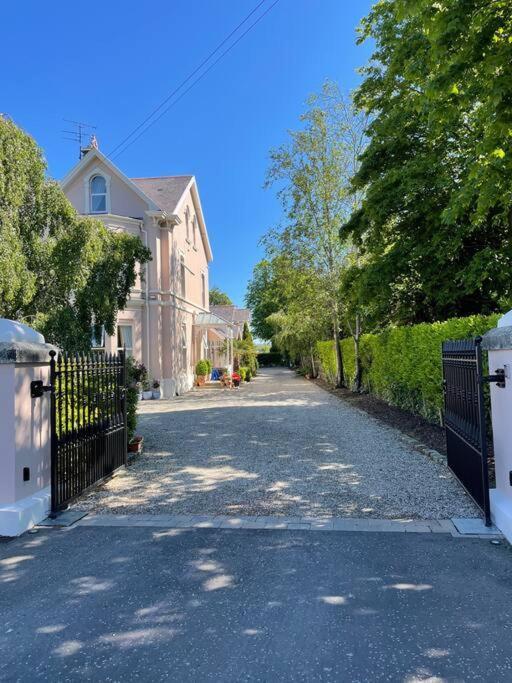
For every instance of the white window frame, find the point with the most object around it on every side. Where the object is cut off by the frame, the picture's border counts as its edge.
(194, 231)
(120, 343)
(87, 191)
(94, 339)
(184, 346)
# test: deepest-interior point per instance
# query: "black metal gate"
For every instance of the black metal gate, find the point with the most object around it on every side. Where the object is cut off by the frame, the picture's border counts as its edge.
(464, 418)
(88, 421)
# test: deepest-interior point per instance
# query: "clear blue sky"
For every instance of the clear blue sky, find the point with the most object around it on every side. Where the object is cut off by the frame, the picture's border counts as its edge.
(111, 63)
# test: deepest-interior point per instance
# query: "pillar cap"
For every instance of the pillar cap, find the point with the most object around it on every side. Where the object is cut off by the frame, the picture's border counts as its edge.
(14, 331)
(499, 338)
(25, 352)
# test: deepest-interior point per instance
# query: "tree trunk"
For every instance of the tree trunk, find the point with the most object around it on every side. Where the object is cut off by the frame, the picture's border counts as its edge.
(359, 369)
(313, 368)
(337, 347)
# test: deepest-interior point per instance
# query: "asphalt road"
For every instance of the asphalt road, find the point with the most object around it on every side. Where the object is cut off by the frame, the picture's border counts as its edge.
(150, 604)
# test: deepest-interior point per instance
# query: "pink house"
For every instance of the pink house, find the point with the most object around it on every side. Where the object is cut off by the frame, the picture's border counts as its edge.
(167, 323)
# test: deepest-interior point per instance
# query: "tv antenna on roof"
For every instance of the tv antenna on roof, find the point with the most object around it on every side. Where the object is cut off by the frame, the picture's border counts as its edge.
(81, 133)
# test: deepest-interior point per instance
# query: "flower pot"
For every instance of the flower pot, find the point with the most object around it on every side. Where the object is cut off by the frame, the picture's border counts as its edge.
(135, 445)
(156, 394)
(147, 395)
(200, 380)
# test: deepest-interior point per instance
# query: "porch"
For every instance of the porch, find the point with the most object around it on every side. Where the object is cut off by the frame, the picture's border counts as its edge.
(218, 336)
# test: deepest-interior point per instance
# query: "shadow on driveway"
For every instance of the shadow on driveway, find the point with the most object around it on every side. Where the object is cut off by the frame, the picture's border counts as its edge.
(192, 605)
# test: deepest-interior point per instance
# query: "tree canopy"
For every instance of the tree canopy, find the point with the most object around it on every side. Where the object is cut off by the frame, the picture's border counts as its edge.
(295, 293)
(59, 272)
(435, 225)
(219, 298)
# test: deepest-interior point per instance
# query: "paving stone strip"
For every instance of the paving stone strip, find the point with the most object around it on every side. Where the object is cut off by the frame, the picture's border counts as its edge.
(437, 526)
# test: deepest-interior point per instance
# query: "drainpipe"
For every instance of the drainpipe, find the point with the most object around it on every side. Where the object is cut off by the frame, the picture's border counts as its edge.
(146, 282)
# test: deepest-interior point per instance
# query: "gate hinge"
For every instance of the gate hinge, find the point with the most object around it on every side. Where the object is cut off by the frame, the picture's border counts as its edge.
(37, 388)
(498, 377)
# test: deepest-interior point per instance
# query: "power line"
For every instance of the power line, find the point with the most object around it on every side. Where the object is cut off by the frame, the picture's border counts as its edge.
(172, 104)
(187, 79)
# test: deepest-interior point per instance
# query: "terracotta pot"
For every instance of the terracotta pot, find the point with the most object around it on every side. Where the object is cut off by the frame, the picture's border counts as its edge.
(135, 445)
(200, 380)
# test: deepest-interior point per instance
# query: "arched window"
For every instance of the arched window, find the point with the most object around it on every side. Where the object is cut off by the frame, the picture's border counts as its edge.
(98, 187)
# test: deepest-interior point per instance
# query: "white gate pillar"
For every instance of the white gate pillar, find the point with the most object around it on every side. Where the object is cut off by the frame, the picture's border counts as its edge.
(24, 429)
(498, 342)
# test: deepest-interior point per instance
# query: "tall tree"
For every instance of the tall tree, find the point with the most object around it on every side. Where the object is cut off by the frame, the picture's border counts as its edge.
(60, 272)
(435, 226)
(314, 172)
(219, 298)
(264, 296)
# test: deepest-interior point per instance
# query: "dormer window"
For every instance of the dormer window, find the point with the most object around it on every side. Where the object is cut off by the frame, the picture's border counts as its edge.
(98, 192)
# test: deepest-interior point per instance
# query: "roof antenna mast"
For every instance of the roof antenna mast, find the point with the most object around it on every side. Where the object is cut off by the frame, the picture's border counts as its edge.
(80, 134)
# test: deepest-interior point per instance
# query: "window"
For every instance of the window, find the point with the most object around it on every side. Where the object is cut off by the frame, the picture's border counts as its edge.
(183, 346)
(194, 229)
(187, 223)
(203, 290)
(98, 339)
(182, 276)
(98, 187)
(125, 339)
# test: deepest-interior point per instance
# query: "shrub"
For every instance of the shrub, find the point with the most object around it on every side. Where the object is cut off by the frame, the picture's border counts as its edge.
(269, 359)
(327, 360)
(133, 377)
(243, 373)
(248, 374)
(203, 367)
(402, 365)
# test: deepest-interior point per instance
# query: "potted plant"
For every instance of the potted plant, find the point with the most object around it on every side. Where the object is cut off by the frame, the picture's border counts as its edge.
(135, 444)
(156, 389)
(202, 371)
(147, 392)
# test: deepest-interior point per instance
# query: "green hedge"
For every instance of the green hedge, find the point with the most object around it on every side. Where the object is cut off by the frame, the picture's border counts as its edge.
(326, 358)
(402, 365)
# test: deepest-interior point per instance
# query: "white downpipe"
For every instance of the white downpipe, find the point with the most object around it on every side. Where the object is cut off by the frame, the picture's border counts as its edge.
(146, 282)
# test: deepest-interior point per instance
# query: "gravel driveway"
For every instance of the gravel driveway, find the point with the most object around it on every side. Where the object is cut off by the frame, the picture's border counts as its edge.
(278, 446)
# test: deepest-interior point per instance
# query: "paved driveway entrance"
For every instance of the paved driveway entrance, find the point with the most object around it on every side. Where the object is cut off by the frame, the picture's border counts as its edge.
(143, 604)
(278, 446)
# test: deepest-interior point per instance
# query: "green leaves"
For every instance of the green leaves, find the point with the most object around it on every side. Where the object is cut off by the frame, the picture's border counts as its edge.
(219, 298)
(60, 272)
(435, 226)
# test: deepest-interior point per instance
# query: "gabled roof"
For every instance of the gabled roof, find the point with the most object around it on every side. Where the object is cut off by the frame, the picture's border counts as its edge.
(95, 153)
(166, 191)
(232, 314)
